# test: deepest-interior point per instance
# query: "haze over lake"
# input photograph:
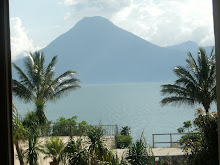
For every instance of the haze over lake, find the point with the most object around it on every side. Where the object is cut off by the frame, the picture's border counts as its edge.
(136, 105)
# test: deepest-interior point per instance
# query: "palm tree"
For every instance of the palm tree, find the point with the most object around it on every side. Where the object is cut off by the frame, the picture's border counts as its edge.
(18, 132)
(32, 127)
(139, 153)
(53, 149)
(74, 153)
(37, 84)
(98, 151)
(196, 82)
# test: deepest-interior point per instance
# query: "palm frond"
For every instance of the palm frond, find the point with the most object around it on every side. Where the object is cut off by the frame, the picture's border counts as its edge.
(192, 64)
(183, 73)
(29, 66)
(170, 89)
(21, 91)
(52, 86)
(51, 65)
(67, 82)
(22, 76)
(37, 83)
(196, 83)
(175, 100)
(62, 92)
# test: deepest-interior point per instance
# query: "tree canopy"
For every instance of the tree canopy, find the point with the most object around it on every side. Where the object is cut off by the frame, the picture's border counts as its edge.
(196, 82)
(37, 82)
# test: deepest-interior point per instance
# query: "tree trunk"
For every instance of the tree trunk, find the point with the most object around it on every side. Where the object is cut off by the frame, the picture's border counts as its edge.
(206, 107)
(19, 153)
(30, 153)
(207, 110)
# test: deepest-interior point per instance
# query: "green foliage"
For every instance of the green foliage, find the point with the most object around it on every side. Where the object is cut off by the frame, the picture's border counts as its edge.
(18, 133)
(123, 141)
(196, 82)
(95, 134)
(32, 153)
(46, 129)
(192, 137)
(68, 127)
(38, 85)
(81, 129)
(139, 154)
(205, 151)
(53, 149)
(181, 130)
(165, 161)
(31, 124)
(18, 128)
(74, 153)
(125, 130)
(187, 124)
(182, 161)
(98, 152)
(32, 127)
(62, 126)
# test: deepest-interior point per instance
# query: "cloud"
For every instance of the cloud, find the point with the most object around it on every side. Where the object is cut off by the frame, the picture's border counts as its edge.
(21, 44)
(169, 21)
(85, 8)
(163, 22)
(113, 4)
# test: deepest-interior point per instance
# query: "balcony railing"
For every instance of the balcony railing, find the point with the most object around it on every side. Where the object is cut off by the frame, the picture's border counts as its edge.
(171, 141)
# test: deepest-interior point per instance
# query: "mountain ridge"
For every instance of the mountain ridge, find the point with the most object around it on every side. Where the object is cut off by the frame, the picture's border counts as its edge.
(101, 52)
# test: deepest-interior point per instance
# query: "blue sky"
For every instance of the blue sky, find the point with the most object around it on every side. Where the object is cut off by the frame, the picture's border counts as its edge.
(35, 23)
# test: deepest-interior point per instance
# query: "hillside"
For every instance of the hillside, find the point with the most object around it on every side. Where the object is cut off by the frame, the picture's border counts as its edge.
(103, 53)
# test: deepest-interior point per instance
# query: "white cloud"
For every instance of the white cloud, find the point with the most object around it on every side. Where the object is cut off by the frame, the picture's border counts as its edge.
(88, 8)
(169, 21)
(67, 16)
(163, 22)
(98, 3)
(21, 44)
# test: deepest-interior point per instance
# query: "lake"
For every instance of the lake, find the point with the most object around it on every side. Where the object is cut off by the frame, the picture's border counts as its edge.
(136, 105)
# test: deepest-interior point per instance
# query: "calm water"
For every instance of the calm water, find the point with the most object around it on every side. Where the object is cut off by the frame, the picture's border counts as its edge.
(135, 105)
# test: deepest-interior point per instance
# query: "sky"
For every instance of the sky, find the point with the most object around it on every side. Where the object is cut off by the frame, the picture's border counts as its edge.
(36, 23)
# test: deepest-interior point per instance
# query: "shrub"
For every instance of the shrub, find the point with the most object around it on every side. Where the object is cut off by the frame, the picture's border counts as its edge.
(138, 153)
(205, 151)
(62, 126)
(81, 129)
(74, 153)
(192, 137)
(53, 149)
(123, 141)
(125, 130)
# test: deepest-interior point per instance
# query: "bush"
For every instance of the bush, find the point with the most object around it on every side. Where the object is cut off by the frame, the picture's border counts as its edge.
(123, 141)
(140, 154)
(125, 130)
(62, 126)
(205, 151)
(74, 153)
(53, 149)
(81, 129)
(192, 137)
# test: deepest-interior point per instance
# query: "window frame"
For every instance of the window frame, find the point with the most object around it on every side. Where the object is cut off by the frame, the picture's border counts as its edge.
(6, 140)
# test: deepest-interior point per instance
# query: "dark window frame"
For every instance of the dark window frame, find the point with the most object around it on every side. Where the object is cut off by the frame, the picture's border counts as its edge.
(6, 140)
(216, 16)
